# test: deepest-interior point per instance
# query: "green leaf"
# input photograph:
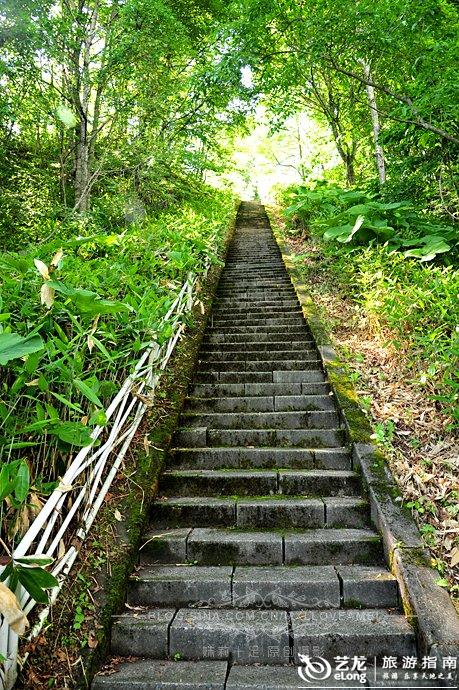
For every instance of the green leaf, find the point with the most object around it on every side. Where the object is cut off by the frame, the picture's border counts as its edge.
(175, 256)
(87, 392)
(22, 483)
(341, 231)
(99, 418)
(13, 346)
(36, 581)
(35, 559)
(6, 482)
(67, 403)
(74, 433)
(66, 116)
(102, 348)
(357, 225)
(88, 302)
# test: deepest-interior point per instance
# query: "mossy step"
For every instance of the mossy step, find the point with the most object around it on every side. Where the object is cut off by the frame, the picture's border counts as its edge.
(278, 587)
(264, 330)
(265, 341)
(287, 353)
(260, 403)
(260, 511)
(284, 306)
(222, 390)
(262, 458)
(286, 346)
(309, 483)
(268, 438)
(308, 419)
(159, 633)
(293, 319)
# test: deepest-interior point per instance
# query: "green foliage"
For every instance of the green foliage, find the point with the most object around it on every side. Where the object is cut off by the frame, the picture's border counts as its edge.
(30, 572)
(64, 352)
(13, 346)
(416, 300)
(357, 217)
(314, 57)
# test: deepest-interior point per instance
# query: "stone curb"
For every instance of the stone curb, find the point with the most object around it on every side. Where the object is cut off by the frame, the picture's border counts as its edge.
(425, 603)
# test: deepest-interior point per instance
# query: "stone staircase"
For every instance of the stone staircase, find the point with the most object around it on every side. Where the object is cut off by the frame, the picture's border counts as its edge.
(261, 546)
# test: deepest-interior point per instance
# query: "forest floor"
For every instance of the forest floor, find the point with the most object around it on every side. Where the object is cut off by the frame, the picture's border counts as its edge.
(422, 451)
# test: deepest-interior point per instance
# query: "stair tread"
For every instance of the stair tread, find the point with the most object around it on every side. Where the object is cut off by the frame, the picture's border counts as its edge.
(162, 674)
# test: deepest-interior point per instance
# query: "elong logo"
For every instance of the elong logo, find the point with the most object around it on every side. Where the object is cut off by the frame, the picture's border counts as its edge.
(313, 669)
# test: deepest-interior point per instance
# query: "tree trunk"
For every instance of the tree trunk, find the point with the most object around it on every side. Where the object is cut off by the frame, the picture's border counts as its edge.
(83, 89)
(379, 153)
(350, 172)
(82, 172)
(346, 153)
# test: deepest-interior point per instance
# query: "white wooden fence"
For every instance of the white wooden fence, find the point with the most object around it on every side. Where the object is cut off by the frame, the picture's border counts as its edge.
(65, 519)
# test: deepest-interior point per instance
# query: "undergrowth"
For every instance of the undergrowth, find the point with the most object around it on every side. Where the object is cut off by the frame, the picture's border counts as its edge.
(412, 291)
(74, 316)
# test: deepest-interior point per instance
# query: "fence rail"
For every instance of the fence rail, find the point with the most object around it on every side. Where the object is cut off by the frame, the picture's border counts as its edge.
(65, 519)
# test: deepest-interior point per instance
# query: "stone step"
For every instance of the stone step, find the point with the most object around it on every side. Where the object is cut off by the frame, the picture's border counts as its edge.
(273, 284)
(209, 347)
(261, 254)
(256, 341)
(247, 262)
(162, 633)
(159, 674)
(292, 319)
(301, 328)
(308, 419)
(260, 482)
(233, 634)
(219, 482)
(255, 677)
(266, 365)
(238, 305)
(284, 512)
(279, 587)
(273, 438)
(369, 632)
(251, 312)
(212, 546)
(236, 284)
(237, 308)
(265, 334)
(219, 390)
(273, 376)
(261, 403)
(256, 293)
(220, 354)
(338, 458)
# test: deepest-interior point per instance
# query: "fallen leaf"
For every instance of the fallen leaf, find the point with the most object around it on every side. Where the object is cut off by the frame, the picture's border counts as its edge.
(11, 610)
(118, 516)
(454, 557)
